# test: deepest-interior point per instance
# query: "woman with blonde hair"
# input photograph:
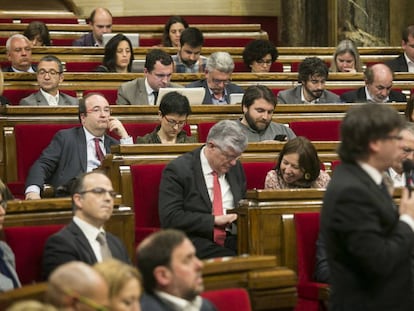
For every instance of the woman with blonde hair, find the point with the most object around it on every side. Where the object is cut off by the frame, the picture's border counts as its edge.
(124, 282)
(346, 58)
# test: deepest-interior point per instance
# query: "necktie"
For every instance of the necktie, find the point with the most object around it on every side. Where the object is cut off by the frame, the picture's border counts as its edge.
(155, 97)
(105, 251)
(219, 233)
(99, 153)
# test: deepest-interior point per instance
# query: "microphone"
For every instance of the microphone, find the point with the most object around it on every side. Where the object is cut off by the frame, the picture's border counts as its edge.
(408, 167)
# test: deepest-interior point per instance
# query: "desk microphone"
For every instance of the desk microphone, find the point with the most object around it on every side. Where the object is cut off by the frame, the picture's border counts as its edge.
(408, 167)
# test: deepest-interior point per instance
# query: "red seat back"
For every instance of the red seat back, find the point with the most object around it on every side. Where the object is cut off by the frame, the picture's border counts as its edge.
(229, 299)
(324, 130)
(27, 244)
(82, 66)
(256, 173)
(14, 96)
(146, 180)
(203, 129)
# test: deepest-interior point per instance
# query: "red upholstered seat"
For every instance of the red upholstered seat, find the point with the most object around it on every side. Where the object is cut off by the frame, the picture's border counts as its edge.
(241, 67)
(323, 130)
(27, 244)
(81, 66)
(31, 139)
(203, 129)
(14, 96)
(146, 182)
(229, 299)
(256, 173)
(307, 230)
(340, 91)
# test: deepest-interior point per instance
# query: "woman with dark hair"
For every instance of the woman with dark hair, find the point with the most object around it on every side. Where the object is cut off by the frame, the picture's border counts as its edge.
(172, 31)
(409, 109)
(8, 276)
(298, 166)
(118, 55)
(259, 55)
(38, 33)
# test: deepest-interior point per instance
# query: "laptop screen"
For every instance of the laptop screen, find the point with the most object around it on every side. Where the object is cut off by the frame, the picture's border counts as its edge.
(195, 95)
(133, 37)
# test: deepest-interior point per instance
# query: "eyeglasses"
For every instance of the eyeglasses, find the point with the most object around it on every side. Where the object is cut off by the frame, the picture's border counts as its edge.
(98, 110)
(100, 192)
(85, 300)
(266, 62)
(51, 72)
(218, 81)
(174, 123)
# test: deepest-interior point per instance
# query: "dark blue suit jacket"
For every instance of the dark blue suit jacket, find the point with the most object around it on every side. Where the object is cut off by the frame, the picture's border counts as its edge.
(230, 88)
(153, 303)
(85, 40)
(63, 159)
(70, 244)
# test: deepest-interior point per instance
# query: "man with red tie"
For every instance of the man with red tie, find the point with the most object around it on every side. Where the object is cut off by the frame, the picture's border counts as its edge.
(199, 187)
(76, 150)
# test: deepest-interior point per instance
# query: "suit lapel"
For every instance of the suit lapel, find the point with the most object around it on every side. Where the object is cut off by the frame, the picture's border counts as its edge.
(81, 144)
(82, 241)
(199, 178)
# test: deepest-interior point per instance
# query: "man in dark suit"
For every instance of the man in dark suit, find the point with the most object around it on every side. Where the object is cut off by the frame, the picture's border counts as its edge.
(369, 241)
(171, 272)
(19, 53)
(377, 89)
(49, 75)
(217, 83)
(158, 70)
(188, 184)
(100, 22)
(404, 62)
(93, 202)
(74, 151)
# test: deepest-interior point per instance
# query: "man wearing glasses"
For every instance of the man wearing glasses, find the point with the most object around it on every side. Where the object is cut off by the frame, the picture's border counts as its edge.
(217, 83)
(19, 53)
(84, 238)
(198, 188)
(76, 150)
(173, 114)
(49, 76)
(158, 70)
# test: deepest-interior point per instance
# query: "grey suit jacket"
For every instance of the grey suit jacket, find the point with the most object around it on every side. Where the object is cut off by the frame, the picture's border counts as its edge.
(71, 244)
(183, 200)
(230, 88)
(153, 303)
(134, 92)
(293, 96)
(63, 159)
(37, 99)
(8, 257)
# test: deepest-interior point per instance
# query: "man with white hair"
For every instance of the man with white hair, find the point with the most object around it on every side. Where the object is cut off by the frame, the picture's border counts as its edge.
(19, 53)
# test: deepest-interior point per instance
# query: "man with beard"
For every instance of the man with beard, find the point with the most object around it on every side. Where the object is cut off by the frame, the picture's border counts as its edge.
(377, 89)
(258, 105)
(171, 272)
(199, 187)
(217, 83)
(188, 58)
(312, 76)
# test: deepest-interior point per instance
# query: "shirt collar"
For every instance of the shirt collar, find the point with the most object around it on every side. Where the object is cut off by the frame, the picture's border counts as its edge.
(303, 99)
(89, 135)
(180, 304)
(205, 166)
(50, 98)
(372, 172)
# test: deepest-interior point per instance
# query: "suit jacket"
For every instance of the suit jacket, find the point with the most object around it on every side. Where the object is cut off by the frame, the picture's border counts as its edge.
(230, 88)
(184, 202)
(369, 249)
(63, 159)
(10, 68)
(85, 40)
(8, 258)
(398, 64)
(134, 92)
(294, 95)
(71, 244)
(37, 99)
(154, 303)
(359, 96)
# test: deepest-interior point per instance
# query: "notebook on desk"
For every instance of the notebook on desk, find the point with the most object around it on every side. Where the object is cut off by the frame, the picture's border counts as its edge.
(236, 98)
(195, 95)
(133, 37)
(138, 65)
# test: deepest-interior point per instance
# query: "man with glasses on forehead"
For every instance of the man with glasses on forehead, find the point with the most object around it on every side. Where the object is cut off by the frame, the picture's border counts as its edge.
(173, 114)
(77, 286)
(84, 238)
(217, 83)
(19, 53)
(76, 150)
(158, 70)
(199, 187)
(49, 75)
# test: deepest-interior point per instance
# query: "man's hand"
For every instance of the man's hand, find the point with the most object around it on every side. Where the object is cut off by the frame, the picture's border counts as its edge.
(33, 196)
(114, 125)
(224, 220)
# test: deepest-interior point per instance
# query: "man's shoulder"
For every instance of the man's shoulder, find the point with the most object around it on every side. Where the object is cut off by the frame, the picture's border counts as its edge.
(330, 97)
(85, 40)
(197, 83)
(151, 302)
(185, 160)
(133, 83)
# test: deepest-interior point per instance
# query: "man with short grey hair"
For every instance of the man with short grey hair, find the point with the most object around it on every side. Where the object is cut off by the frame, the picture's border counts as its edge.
(19, 53)
(217, 83)
(199, 187)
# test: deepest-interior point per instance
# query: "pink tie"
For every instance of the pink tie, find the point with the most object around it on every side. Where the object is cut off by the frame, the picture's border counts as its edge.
(99, 153)
(219, 233)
